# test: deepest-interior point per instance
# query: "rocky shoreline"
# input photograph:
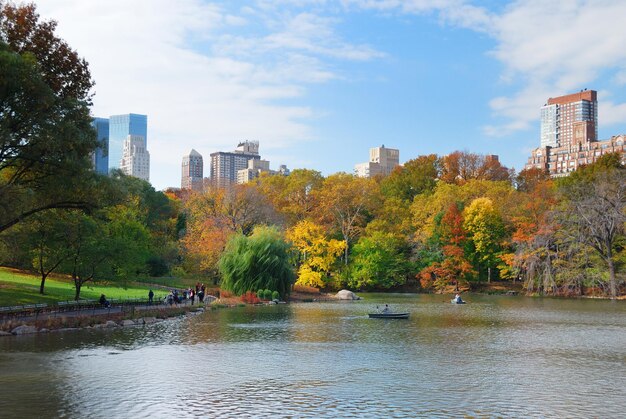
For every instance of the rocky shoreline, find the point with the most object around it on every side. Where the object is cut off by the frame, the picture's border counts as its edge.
(64, 324)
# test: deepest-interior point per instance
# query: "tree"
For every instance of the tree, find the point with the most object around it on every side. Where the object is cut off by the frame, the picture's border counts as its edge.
(486, 230)
(415, 177)
(45, 128)
(593, 212)
(61, 67)
(380, 261)
(461, 166)
(292, 195)
(47, 233)
(344, 202)
(260, 261)
(317, 254)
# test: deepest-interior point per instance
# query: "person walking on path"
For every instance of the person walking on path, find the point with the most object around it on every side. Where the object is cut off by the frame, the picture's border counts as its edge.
(150, 297)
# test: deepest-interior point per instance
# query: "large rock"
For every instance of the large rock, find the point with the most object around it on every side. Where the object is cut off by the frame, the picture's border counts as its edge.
(347, 295)
(127, 323)
(110, 323)
(3, 333)
(149, 320)
(23, 330)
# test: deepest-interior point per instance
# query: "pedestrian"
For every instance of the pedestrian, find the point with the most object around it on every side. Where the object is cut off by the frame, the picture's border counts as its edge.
(150, 297)
(192, 296)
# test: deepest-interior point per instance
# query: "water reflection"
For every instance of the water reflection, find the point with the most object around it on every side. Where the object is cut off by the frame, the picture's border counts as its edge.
(497, 356)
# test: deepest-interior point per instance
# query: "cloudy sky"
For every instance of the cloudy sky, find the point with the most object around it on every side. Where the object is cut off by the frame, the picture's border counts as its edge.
(319, 82)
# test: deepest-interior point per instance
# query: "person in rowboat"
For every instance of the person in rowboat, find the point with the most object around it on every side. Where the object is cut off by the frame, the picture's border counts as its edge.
(386, 309)
(457, 299)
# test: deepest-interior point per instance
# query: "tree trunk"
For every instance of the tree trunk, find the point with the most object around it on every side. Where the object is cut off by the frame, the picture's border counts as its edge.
(345, 252)
(612, 284)
(489, 274)
(77, 284)
(43, 282)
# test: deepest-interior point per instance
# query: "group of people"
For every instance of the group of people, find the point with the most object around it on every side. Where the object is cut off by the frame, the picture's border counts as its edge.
(189, 294)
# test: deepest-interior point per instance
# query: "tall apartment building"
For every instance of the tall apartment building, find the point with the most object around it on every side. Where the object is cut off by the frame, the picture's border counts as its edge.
(225, 165)
(382, 161)
(100, 156)
(135, 157)
(192, 171)
(569, 132)
(570, 119)
(120, 127)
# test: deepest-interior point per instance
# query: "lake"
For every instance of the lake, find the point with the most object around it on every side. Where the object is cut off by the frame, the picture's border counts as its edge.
(496, 356)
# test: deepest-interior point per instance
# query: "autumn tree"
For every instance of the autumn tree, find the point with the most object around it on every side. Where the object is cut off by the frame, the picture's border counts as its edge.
(292, 196)
(461, 166)
(593, 211)
(344, 202)
(317, 254)
(453, 267)
(486, 231)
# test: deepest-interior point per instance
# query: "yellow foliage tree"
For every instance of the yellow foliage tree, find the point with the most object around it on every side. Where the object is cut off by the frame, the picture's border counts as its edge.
(317, 253)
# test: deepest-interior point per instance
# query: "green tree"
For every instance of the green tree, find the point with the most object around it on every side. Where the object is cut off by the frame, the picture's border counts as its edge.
(260, 261)
(45, 128)
(380, 260)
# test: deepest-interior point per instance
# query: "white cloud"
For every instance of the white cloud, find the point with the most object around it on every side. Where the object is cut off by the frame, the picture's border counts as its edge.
(550, 48)
(201, 86)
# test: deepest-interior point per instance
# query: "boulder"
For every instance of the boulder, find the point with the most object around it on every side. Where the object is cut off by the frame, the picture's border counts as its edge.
(149, 320)
(3, 333)
(346, 295)
(23, 330)
(127, 323)
(110, 323)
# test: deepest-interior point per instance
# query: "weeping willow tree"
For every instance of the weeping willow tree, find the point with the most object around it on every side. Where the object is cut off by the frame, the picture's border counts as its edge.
(260, 261)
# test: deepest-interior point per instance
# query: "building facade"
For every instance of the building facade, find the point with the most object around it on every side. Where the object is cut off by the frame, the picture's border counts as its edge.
(569, 135)
(253, 171)
(120, 127)
(382, 162)
(561, 161)
(570, 119)
(136, 158)
(226, 165)
(100, 156)
(192, 171)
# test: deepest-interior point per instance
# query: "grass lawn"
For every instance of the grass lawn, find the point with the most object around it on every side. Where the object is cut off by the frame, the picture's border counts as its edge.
(17, 288)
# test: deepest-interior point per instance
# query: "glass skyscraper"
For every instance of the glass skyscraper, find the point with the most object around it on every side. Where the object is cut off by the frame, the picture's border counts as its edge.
(120, 127)
(100, 156)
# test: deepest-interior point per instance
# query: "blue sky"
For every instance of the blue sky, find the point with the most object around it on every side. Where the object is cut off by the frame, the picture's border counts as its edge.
(319, 82)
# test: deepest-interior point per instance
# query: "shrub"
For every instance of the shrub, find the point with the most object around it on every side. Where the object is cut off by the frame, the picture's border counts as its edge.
(275, 295)
(267, 294)
(260, 294)
(250, 297)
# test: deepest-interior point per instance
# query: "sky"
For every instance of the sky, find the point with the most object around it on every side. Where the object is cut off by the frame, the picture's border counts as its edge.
(320, 82)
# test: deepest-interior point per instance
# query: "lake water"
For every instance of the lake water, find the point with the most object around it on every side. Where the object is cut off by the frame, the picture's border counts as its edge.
(495, 357)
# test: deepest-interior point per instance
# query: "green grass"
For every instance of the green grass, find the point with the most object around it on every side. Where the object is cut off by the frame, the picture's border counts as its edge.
(17, 288)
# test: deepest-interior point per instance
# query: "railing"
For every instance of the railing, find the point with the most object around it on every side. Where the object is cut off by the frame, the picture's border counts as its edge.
(30, 310)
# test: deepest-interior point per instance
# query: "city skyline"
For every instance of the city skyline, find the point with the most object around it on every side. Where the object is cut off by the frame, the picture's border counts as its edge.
(318, 82)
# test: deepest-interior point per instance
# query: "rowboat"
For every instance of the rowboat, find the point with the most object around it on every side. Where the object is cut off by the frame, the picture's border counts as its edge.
(453, 301)
(388, 315)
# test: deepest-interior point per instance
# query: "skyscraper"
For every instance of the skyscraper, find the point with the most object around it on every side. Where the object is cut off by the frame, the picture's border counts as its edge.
(570, 119)
(120, 127)
(192, 171)
(100, 156)
(225, 165)
(135, 157)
